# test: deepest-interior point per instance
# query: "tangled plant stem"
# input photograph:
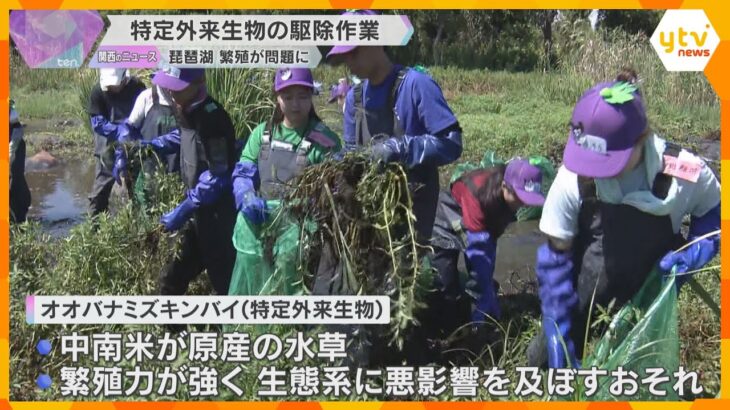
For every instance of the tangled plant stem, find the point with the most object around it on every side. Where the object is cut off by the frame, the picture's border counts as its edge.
(365, 215)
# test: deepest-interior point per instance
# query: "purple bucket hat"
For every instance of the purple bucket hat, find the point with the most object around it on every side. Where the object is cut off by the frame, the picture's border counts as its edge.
(176, 79)
(286, 77)
(607, 122)
(526, 180)
(337, 50)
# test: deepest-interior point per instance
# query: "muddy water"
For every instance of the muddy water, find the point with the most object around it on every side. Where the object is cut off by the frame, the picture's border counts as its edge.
(516, 249)
(59, 194)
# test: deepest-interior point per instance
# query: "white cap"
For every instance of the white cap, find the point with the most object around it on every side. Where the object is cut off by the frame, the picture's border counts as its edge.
(111, 77)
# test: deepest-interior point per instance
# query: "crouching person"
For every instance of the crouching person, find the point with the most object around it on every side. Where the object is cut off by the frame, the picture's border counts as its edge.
(470, 218)
(614, 211)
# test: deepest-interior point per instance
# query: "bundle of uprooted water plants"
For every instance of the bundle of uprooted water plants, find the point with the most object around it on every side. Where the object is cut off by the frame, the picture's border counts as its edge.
(150, 193)
(153, 189)
(365, 242)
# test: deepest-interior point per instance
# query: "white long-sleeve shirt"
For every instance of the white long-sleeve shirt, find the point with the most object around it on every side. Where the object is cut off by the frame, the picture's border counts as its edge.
(143, 104)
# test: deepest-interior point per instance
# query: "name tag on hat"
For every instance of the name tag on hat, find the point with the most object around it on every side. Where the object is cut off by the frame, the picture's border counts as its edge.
(685, 166)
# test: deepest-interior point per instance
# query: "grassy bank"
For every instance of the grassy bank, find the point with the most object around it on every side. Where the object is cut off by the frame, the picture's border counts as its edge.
(510, 113)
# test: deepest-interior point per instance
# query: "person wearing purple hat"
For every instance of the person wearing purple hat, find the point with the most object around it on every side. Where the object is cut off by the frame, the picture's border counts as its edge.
(110, 104)
(401, 115)
(277, 151)
(339, 93)
(613, 211)
(470, 218)
(205, 139)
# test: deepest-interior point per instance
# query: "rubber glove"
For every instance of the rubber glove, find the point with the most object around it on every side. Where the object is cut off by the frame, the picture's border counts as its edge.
(164, 144)
(698, 254)
(245, 182)
(206, 192)
(254, 208)
(175, 219)
(481, 252)
(120, 165)
(385, 152)
(209, 188)
(412, 151)
(110, 130)
(558, 299)
(128, 133)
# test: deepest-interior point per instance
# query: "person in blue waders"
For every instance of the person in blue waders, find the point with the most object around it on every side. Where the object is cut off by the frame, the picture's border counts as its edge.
(400, 116)
(614, 209)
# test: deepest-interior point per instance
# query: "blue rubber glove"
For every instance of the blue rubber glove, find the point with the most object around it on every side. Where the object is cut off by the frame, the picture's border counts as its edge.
(385, 152)
(698, 254)
(481, 252)
(109, 130)
(254, 208)
(412, 151)
(245, 178)
(164, 144)
(558, 299)
(103, 127)
(209, 188)
(128, 133)
(120, 165)
(206, 192)
(245, 182)
(175, 219)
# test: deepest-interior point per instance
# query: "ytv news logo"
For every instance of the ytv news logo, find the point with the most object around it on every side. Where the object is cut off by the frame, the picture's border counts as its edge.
(685, 40)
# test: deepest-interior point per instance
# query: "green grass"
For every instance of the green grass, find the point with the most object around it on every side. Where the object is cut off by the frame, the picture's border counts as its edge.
(45, 104)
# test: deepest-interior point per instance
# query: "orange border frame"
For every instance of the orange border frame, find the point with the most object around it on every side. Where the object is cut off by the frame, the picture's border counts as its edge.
(717, 11)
